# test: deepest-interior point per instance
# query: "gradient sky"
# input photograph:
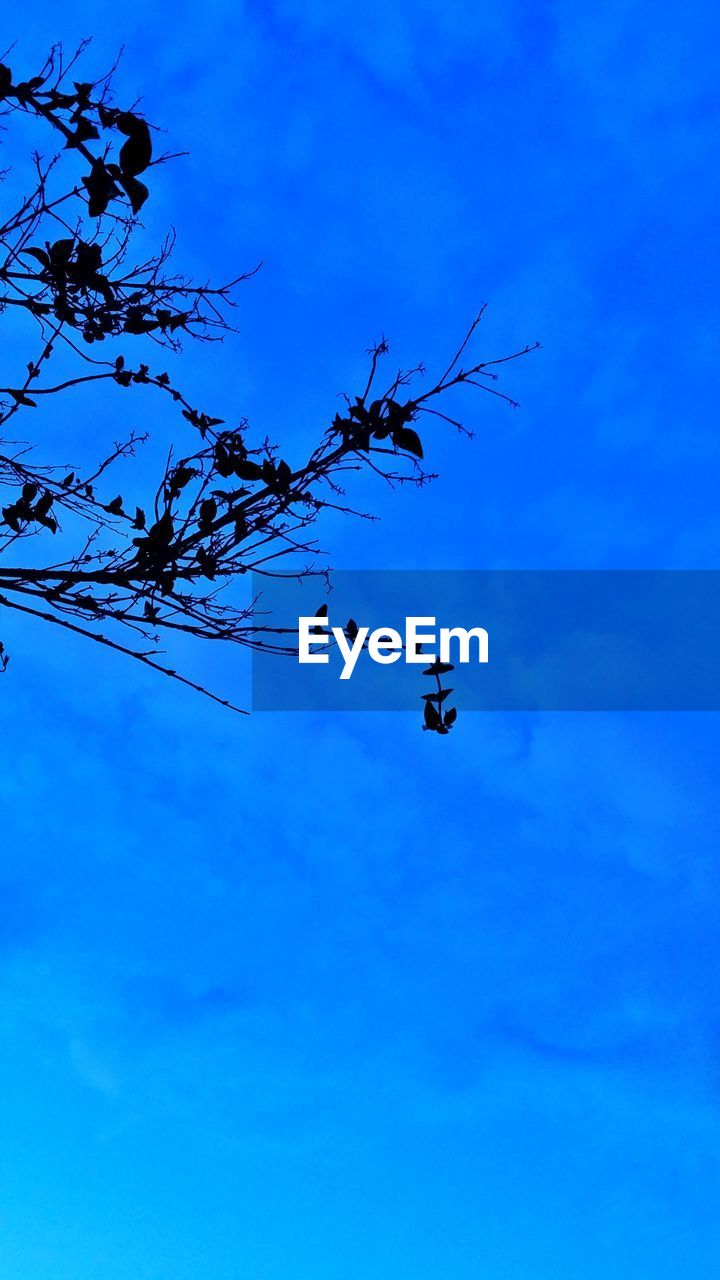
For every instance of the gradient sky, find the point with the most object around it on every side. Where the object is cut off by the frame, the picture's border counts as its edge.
(315, 998)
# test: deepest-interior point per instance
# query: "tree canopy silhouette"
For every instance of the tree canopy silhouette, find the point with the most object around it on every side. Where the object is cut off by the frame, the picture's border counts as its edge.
(75, 552)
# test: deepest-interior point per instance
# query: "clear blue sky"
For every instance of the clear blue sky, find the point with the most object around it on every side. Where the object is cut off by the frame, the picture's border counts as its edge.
(304, 998)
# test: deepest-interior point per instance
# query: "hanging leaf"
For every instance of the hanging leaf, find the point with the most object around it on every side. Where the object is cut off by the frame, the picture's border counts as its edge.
(136, 192)
(101, 188)
(408, 440)
(208, 512)
(432, 717)
(11, 517)
(136, 153)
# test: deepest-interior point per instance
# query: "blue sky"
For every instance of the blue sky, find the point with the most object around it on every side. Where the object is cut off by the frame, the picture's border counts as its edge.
(304, 997)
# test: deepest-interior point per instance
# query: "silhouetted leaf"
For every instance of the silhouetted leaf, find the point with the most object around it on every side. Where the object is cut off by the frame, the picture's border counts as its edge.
(408, 440)
(438, 668)
(11, 517)
(179, 478)
(85, 131)
(21, 397)
(438, 696)
(39, 254)
(208, 512)
(136, 153)
(163, 529)
(101, 188)
(283, 475)
(431, 716)
(223, 461)
(248, 470)
(43, 504)
(136, 191)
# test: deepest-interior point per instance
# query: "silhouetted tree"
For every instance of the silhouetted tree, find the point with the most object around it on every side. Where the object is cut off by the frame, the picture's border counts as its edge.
(75, 552)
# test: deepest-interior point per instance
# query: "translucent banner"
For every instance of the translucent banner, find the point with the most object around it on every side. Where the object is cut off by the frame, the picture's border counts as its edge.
(514, 640)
